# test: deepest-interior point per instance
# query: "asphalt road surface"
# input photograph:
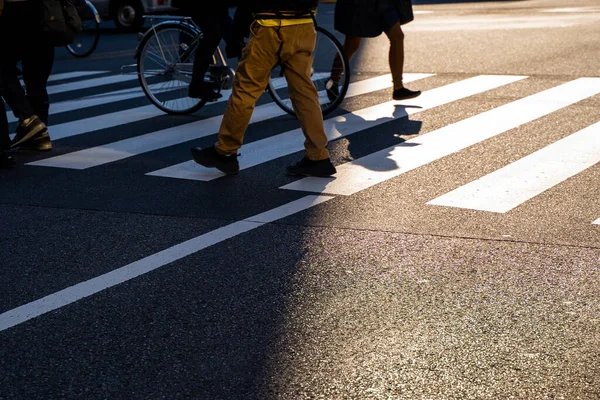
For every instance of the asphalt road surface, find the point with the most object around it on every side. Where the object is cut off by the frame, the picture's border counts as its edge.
(455, 254)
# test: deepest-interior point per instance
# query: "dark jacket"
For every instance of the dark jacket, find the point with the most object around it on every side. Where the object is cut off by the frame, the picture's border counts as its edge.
(364, 18)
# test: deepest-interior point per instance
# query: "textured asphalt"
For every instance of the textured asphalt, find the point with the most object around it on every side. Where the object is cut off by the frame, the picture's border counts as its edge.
(370, 296)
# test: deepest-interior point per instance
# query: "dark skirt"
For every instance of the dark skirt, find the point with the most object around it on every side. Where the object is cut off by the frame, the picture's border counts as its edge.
(370, 18)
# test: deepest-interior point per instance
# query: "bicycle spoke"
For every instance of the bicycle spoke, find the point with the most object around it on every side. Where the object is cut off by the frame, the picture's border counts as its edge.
(330, 75)
(165, 69)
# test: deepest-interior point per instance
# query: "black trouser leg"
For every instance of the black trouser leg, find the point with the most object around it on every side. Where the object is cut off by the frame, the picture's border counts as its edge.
(37, 66)
(4, 138)
(37, 56)
(213, 32)
(14, 94)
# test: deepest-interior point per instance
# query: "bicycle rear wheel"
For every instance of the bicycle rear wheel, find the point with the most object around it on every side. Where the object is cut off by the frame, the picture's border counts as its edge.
(87, 40)
(163, 74)
(330, 75)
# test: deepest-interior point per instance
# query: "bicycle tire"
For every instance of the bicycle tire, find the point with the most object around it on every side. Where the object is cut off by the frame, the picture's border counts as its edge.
(90, 18)
(326, 108)
(193, 105)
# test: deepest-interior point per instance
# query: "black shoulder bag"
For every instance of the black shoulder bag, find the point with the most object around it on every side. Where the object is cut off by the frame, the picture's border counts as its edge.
(60, 21)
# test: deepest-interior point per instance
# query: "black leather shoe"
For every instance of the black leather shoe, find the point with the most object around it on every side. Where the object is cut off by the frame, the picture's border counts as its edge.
(204, 91)
(209, 157)
(6, 159)
(306, 167)
(26, 131)
(404, 93)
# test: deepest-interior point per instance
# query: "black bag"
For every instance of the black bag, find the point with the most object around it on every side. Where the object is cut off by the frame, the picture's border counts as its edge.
(60, 21)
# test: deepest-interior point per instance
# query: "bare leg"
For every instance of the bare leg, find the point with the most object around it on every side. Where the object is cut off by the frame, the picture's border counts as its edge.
(396, 57)
(351, 46)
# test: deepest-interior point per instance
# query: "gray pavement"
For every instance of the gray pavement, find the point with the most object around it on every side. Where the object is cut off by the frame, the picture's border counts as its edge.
(118, 284)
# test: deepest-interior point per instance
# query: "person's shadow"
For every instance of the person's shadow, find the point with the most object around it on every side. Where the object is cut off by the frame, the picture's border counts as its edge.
(398, 129)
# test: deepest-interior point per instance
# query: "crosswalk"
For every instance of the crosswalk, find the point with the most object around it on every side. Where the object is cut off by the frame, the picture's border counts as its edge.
(500, 191)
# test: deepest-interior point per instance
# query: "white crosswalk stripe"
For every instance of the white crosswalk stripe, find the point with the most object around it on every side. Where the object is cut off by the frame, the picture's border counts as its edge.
(169, 137)
(506, 188)
(92, 101)
(385, 164)
(292, 141)
(73, 75)
(499, 191)
(90, 83)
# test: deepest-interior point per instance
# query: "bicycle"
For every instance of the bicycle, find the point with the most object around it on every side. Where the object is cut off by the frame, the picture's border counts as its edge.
(165, 58)
(87, 40)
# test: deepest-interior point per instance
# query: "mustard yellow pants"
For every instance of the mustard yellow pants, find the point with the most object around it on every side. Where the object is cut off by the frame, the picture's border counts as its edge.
(292, 47)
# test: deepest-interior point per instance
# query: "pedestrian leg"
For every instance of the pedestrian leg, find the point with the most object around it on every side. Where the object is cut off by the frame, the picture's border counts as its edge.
(350, 47)
(37, 67)
(4, 138)
(396, 60)
(6, 159)
(297, 56)
(251, 79)
(396, 54)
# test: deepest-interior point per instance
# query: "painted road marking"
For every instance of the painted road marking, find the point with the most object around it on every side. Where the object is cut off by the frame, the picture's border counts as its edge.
(89, 83)
(91, 101)
(508, 187)
(500, 23)
(378, 167)
(90, 287)
(596, 222)
(75, 74)
(292, 141)
(126, 148)
(111, 120)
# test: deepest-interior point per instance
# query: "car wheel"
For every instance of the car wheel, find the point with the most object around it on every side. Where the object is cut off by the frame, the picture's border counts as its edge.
(128, 15)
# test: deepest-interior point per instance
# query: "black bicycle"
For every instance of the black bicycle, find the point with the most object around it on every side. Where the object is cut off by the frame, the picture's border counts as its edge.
(166, 53)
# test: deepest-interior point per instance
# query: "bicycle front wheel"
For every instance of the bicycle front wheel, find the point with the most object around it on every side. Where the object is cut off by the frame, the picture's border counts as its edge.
(87, 40)
(165, 62)
(330, 75)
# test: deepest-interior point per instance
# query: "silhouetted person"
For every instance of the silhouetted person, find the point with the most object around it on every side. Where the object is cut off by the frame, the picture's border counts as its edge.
(358, 19)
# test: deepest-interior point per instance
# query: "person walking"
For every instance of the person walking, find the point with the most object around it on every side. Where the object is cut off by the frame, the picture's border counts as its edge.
(282, 33)
(358, 19)
(22, 39)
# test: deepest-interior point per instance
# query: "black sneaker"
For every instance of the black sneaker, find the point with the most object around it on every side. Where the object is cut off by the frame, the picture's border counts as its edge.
(6, 159)
(204, 91)
(333, 90)
(26, 131)
(40, 142)
(306, 167)
(209, 157)
(404, 93)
